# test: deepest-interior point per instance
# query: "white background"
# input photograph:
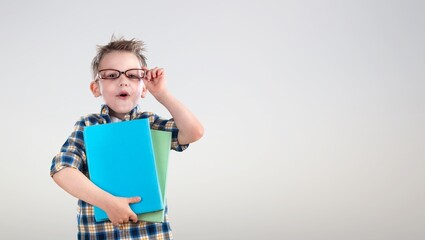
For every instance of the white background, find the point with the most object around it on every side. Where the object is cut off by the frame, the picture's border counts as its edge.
(313, 111)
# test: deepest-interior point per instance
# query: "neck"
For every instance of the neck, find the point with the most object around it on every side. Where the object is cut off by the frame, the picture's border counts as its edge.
(117, 115)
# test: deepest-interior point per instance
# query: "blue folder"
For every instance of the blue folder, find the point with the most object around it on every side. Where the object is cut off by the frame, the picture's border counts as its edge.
(121, 161)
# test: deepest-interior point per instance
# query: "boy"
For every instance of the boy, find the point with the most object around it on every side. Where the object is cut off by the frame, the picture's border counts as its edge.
(121, 78)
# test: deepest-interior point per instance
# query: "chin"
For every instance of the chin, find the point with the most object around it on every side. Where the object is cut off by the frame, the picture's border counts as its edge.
(123, 109)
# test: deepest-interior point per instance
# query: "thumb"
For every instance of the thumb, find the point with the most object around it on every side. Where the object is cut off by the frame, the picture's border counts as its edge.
(145, 82)
(134, 199)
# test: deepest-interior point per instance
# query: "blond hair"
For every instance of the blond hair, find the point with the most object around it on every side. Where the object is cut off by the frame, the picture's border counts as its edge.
(119, 44)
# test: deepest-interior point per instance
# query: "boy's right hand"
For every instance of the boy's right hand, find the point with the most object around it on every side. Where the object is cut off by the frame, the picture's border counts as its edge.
(119, 211)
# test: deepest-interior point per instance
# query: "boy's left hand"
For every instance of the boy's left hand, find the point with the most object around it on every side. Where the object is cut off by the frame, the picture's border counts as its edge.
(154, 80)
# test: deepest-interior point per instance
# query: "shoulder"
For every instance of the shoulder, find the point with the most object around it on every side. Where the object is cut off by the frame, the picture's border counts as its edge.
(157, 122)
(151, 115)
(92, 119)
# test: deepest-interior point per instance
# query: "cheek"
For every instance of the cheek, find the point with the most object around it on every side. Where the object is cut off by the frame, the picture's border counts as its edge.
(140, 87)
(105, 90)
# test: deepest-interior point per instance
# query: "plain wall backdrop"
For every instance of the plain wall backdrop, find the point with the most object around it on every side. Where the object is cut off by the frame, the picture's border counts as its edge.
(313, 111)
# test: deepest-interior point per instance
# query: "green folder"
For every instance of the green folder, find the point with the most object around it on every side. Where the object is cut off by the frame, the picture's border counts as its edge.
(161, 141)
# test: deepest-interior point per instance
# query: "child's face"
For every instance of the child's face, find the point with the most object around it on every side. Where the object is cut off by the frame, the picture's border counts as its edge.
(121, 94)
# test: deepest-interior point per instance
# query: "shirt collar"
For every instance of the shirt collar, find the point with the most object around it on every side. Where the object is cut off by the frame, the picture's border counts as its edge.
(129, 116)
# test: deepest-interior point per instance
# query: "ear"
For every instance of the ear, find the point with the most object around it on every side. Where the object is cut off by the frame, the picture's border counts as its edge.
(95, 88)
(144, 91)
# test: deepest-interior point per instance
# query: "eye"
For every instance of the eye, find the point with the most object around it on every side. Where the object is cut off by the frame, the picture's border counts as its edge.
(109, 74)
(132, 76)
(135, 74)
(112, 75)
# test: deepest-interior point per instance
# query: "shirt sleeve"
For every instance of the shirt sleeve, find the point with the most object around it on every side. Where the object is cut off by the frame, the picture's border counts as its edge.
(169, 125)
(72, 153)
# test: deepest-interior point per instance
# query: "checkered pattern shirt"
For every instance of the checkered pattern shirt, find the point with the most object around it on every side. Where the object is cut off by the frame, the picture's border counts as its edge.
(72, 154)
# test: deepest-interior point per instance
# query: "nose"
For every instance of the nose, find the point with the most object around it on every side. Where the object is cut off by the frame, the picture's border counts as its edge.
(123, 80)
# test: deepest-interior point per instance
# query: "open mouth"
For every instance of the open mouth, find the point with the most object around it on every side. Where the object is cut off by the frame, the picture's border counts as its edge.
(123, 94)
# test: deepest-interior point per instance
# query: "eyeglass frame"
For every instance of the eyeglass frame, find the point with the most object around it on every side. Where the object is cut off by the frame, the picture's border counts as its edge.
(120, 73)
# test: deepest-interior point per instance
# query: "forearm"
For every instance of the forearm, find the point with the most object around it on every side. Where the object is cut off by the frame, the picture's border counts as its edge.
(78, 185)
(190, 129)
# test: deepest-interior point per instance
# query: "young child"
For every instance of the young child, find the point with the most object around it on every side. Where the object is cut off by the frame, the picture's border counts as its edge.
(121, 78)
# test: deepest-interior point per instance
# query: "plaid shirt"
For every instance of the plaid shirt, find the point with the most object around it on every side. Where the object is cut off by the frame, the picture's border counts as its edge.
(72, 154)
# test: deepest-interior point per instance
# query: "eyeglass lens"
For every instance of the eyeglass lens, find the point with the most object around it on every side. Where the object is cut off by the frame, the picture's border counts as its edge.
(114, 74)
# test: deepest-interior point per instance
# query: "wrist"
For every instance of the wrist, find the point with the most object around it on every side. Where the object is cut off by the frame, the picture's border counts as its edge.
(106, 201)
(162, 96)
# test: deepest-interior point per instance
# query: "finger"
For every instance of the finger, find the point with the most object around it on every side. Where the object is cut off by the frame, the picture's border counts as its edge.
(117, 224)
(149, 75)
(145, 77)
(125, 220)
(145, 72)
(160, 72)
(134, 199)
(154, 72)
(133, 218)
